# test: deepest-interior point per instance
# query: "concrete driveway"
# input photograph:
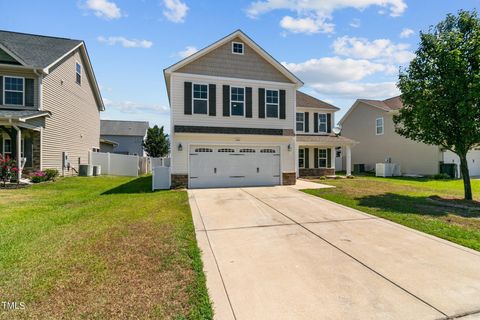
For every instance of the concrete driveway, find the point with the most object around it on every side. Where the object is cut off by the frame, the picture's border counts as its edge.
(278, 253)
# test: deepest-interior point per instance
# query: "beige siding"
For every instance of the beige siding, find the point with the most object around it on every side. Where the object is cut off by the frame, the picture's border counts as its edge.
(221, 62)
(16, 72)
(179, 118)
(74, 125)
(414, 158)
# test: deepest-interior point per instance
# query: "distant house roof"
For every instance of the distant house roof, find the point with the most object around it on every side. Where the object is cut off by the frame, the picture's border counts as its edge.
(123, 128)
(306, 101)
(34, 50)
(390, 104)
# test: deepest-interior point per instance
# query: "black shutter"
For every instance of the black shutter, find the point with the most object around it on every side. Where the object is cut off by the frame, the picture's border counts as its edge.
(282, 104)
(226, 101)
(307, 122)
(1, 95)
(315, 156)
(1, 141)
(329, 122)
(261, 103)
(29, 92)
(187, 95)
(329, 158)
(212, 99)
(315, 122)
(307, 158)
(28, 152)
(248, 102)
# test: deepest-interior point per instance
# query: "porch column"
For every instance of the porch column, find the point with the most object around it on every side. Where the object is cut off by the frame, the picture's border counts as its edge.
(19, 152)
(349, 161)
(333, 158)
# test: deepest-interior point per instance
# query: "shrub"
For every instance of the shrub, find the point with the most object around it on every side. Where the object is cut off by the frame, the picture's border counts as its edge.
(51, 174)
(38, 176)
(350, 177)
(441, 176)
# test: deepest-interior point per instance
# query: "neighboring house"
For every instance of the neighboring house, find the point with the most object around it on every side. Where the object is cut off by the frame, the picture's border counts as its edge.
(234, 119)
(50, 102)
(126, 136)
(371, 123)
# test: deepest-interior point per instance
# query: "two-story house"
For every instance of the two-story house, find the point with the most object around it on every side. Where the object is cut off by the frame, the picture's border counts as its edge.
(50, 102)
(123, 137)
(234, 119)
(371, 123)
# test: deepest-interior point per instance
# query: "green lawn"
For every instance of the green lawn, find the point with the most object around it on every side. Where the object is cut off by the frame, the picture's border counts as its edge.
(100, 248)
(405, 201)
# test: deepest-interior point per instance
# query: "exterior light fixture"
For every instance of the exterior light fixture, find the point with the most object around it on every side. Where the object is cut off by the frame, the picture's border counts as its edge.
(180, 147)
(289, 147)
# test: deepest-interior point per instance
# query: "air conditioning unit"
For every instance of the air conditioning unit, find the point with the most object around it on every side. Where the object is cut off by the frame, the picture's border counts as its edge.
(387, 170)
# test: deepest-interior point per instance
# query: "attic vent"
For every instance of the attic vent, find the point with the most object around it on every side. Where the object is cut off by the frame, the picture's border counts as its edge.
(237, 48)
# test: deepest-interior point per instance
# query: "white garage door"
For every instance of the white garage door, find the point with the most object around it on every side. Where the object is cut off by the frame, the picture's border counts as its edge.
(233, 166)
(473, 158)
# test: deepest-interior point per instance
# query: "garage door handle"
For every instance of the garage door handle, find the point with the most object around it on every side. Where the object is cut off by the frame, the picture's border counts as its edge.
(258, 170)
(214, 170)
(237, 176)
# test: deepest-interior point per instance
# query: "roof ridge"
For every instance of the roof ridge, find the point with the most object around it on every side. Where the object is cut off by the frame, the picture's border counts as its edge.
(40, 35)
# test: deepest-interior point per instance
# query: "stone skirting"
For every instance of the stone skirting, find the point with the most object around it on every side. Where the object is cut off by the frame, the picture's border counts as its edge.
(179, 181)
(289, 178)
(318, 172)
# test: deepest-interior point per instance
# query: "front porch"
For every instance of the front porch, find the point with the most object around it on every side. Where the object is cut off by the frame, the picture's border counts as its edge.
(20, 138)
(316, 154)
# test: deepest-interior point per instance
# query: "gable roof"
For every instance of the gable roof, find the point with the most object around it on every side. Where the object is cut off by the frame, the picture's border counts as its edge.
(41, 53)
(123, 128)
(387, 105)
(35, 51)
(236, 34)
(307, 101)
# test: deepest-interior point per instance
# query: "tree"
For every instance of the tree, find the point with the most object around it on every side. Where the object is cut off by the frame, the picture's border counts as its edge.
(156, 143)
(441, 89)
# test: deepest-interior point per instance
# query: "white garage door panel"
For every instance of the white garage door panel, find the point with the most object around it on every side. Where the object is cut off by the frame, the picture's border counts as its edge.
(214, 166)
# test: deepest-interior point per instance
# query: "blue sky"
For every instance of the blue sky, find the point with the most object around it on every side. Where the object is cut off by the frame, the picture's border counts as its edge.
(342, 49)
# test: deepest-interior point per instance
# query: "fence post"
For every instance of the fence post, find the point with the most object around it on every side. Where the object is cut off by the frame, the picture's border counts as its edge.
(108, 162)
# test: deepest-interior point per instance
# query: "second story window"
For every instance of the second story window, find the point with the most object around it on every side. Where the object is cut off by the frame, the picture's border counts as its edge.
(237, 47)
(300, 124)
(379, 126)
(200, 99)
(271, 105)
(14, 91)
(322, 122)
(237, 101)
(78, 73)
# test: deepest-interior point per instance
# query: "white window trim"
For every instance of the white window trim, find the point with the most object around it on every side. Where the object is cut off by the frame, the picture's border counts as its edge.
(244, 101)
(377, 126)
(22, 147)
(325, 158)
(193, 99)
(4, 90)
(278, 104)
(301, 167)
(326, 123)
(76, 72)
(303, 122)
(243, 48)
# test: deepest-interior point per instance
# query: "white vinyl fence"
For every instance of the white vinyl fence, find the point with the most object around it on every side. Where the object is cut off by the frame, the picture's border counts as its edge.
(116, 164)
(161, 178)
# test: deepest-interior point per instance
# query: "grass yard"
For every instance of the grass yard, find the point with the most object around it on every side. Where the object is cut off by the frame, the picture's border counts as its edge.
(100, 248)
(406, 201)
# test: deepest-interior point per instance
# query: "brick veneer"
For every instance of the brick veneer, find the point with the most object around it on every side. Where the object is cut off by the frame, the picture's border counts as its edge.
(179, 181)
(289, 178)
(319, 172)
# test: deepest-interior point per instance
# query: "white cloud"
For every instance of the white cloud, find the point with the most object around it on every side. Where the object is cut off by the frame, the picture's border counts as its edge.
(104, 9)
(406, 33)
(306, 25)
(383, 50)
(135, 107)
(175, 10)
(313, 15)
(335, 69)
(126, 43)
(355, 23)
(189, 50)
(353, 90)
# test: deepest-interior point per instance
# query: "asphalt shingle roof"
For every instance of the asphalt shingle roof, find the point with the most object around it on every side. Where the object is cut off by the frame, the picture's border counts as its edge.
(123, 128)
(20, 114)
(36, 50)
(306, 101)
(390, 104)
